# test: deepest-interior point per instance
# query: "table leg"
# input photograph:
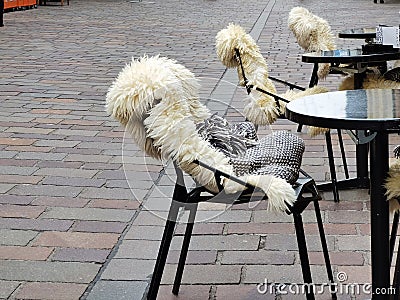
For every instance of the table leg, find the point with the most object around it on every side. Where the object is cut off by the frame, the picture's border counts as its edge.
(379, 158)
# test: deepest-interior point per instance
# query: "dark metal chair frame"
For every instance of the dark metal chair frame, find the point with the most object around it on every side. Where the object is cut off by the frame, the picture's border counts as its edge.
(306, 192)
(328, 139)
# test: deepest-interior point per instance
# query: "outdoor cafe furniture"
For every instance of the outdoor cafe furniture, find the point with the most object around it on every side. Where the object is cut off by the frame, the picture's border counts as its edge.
(156, 100)
(375, 110)
(237, 49)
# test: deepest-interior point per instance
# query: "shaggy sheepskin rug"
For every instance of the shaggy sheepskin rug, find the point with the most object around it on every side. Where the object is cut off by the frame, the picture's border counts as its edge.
(261, 109)
(156, 100)
(312, 34)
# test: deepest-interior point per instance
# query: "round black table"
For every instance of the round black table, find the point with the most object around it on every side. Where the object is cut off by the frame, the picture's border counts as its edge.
(358, 33)
(375, 110)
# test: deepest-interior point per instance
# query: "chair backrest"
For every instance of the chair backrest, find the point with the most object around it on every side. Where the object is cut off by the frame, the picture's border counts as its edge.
(312, 34)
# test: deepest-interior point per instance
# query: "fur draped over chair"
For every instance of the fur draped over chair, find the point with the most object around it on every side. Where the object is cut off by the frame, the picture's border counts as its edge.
(312, 33)
(261, 108)
(392, 184)
(156, 100)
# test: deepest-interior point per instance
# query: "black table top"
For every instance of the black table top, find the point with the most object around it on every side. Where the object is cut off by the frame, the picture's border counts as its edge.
(374, 109)
(358, 33)
(349, 56)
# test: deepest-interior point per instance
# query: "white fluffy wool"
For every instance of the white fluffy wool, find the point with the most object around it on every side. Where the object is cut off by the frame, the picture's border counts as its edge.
(371, 81)
(392, 186)
(157, 101)
(261, 109)
(312, 34)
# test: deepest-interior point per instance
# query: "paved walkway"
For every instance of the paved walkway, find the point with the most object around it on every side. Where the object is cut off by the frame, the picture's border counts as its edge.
(70, 227)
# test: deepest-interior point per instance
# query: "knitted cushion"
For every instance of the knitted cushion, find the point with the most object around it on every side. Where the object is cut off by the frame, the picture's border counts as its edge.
(278, 154)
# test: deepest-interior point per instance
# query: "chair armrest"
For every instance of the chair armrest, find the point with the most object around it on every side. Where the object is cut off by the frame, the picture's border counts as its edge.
(275, 96)
(219, 173)
(289, 84)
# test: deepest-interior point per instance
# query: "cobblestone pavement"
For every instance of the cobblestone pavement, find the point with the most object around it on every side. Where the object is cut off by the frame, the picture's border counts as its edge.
(70, 226)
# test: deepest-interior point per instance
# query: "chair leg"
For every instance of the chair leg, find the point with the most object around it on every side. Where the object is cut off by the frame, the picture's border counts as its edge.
(184, 250)
(393, 234)
(332, 166)
(346, 170)
(324, 245)
(305, 264)
(163, 251)
(299, 127)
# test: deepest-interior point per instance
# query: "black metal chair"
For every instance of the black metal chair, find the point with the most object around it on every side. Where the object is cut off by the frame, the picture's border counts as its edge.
(306, 192)
(156, 100)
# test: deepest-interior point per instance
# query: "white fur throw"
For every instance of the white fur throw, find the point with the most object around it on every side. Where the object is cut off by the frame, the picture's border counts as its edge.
(156, 99)
(312, 33)
(371, 81)
(261, 108)
(393, 186)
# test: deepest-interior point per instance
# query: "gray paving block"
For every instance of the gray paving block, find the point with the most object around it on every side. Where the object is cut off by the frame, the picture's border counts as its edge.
(260, 257)
(16, 237)
(140, 249)
(145, 233)
(289, 242)
(48, 271)
(220, 242)
(128, 269)
(204, 274)
(35, 224)
(46, 190)
(282, 274)
(107, 193)
(121, 290)
(88, 214)
(7, 288)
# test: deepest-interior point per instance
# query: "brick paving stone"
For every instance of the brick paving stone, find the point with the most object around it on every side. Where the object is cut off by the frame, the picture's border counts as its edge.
(50, 291)
(348, 217)
(13, 199)
(289, 242)
(338, 258)
(16, 237)
(354, 243)
(50, 143)
(66, 172)
(121, 290)
(46, 190)
(194, 257)
(151, 218)
(21, 179)
(261, 257)
(139, 249)
(108, 193)
(98, 226)
(60, 201)
(203, 228)
(204, 274)
(22, 211)
(16, 141)
(145, 233)
(13, 170)
(25, 253)
(211, 242)
(35, 224)
(128, 269)
(7, 288)
(89, 214)
(332, 229)
(44, 271)
(84, 182)
(282, 274)
(18, 162)
(4, 188)
(117, 204)
(76, 240)
(80, 255)
(260, 228)
(245, 292)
